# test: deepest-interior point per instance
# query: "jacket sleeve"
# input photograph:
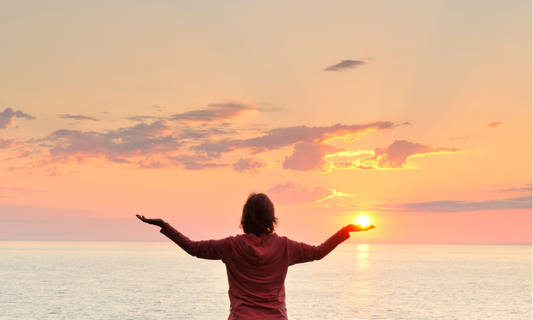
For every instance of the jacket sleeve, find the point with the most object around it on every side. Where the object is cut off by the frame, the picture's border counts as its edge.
(206, 249)
(300, 252)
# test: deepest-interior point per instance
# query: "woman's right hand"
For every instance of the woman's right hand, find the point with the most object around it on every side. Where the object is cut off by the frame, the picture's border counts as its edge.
(358, 227)
(156, 222)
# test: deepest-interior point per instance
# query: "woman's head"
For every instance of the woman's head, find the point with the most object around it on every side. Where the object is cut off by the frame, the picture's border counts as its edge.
(258, 215)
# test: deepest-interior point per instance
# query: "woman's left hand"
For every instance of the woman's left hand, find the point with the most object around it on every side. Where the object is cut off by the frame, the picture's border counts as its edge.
(156, 222)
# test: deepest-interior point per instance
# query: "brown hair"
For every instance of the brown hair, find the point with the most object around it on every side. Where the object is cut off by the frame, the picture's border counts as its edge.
(258, 215)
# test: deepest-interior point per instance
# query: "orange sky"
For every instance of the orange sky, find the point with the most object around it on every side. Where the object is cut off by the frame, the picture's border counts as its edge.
(417, 115)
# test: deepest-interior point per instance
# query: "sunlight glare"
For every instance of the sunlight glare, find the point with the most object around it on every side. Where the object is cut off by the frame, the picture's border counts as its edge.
(363, 221)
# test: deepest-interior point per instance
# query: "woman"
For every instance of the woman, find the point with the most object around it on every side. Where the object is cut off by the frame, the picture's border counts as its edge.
(256, 261)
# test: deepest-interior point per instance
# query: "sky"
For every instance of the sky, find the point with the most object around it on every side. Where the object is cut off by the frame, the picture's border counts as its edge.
(416, 114)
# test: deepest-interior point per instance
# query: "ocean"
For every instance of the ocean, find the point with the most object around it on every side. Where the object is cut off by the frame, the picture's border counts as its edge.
(157, 280)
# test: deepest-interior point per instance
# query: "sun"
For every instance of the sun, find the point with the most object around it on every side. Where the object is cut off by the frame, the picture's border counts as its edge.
(363, 221)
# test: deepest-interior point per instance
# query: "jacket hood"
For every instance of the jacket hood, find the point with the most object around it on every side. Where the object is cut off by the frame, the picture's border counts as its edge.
(257, 250)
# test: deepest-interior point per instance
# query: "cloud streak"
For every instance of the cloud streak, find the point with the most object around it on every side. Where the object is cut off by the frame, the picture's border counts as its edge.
(459, 138)
(76, 117)
(214, 112)
(460, 206)
(345, 65)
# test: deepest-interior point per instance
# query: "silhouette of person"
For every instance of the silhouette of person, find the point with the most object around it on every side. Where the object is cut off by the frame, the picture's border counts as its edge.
(256, 261)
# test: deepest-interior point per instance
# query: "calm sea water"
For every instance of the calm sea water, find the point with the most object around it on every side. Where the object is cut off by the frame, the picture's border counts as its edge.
(143, 280)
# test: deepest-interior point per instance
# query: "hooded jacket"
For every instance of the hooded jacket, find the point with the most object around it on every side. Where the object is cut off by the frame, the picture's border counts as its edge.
(256, 267)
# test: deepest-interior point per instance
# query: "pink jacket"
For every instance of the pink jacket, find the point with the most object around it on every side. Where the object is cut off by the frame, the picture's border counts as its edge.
(256, 267)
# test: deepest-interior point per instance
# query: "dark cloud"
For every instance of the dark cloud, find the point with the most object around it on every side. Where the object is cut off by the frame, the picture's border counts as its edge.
(249, 165)
(76, 117)
(7, 117)
(345, 65)
(459, 206)
(308, 156)
(281, 137)
(494, 124)
(213, 112)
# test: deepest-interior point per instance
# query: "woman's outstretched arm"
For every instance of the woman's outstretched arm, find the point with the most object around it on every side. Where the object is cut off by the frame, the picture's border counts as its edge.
(208, 249)
(301, 252)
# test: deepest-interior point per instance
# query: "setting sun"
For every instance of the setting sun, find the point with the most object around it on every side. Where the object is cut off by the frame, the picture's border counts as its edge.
(363, 221)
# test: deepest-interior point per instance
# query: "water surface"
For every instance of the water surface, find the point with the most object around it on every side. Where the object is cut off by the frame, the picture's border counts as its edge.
(157, 280)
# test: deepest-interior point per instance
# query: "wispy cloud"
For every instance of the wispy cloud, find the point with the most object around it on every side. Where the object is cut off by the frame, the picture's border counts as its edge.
(494, 124)
(76, 117)
(293, 194)
(143, 118)
(214, 112)
(7, 117)
(523, 189)
(459, 206)
(345, 65)
(459, 138)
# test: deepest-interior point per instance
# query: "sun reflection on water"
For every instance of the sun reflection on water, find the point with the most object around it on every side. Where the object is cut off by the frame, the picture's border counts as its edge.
(363, 293)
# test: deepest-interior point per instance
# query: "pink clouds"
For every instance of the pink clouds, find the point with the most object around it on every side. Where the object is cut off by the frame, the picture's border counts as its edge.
(20, 148)
(282, 137)
(292, 194)
(166, 144)
(308, 156)
(395, 156)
